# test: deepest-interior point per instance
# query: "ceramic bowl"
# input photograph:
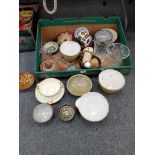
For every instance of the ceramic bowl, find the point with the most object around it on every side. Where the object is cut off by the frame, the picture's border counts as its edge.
(79, 84)
(114, 34)
(70, 50)
(49, 48)
(50, 91)
(111, 81)
(66, 36)
(93, 106)
(91, 65)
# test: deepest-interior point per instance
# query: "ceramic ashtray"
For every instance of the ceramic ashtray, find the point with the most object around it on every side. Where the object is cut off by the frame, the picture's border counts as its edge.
(42, 113)
(66, 36)
(93, 106)
(66, 112)
(111, 80)
(26, 80)
(79, 84)
(70, 50)
(119, 48)
(50, 48)
(48, 65)
(50, 91)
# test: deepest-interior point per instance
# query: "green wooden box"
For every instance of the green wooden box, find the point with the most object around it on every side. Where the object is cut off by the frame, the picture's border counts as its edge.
(48, 30)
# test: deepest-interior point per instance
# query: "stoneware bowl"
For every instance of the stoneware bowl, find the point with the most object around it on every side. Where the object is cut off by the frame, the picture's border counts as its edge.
(111, 81)
(93, 106)
(79, 84)
(70, 50)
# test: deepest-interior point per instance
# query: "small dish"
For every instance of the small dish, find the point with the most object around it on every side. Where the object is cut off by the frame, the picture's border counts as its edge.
(93, 106)
(48, 65)
(49, 48)
(66, 112)
(79, 84)
(26, 80)
(111, 80)
(70, 50)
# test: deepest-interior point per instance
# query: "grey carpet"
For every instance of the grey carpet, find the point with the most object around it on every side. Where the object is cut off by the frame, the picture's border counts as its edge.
(114, 135)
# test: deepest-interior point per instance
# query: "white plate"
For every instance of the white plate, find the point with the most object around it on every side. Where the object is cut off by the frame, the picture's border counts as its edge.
(50, 100)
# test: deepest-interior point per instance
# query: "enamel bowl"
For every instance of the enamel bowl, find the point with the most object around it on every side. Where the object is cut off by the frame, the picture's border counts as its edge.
(79, 84)
(111, 81)
(70, 50)
(50, 91)
(93, 106)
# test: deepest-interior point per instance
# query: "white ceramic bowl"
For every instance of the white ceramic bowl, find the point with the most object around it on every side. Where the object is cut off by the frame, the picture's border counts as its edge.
(111, 80)
(93, 106)
(70, 50)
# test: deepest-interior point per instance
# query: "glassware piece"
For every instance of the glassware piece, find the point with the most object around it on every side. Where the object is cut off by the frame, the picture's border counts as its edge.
(42, 113)
(79, 84)
(66, 112)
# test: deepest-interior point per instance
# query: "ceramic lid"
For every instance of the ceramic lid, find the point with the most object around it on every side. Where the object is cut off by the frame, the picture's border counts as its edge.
(111, 79)
(66, 112)
(26, 80)
(70, 48)
(49, 87)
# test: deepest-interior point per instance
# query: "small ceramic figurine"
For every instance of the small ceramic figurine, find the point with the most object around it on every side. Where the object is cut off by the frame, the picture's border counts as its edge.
(66, 36)
(26, 80)
(87, 56)
(49, 91)
(82, 34)
(111, 80)
(42, 113)
(48, 65)
(50, 48)
(93, 106)
(66, 112)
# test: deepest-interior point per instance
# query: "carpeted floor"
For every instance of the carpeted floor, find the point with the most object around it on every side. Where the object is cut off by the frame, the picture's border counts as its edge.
(112, 136)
